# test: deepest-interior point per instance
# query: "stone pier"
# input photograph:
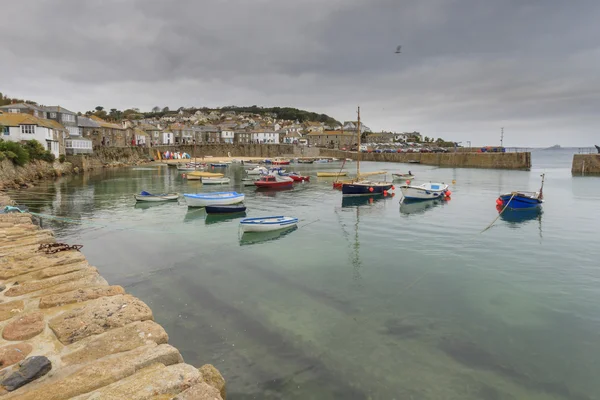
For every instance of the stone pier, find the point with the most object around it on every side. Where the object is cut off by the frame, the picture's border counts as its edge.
(67, 333)
(586, 164)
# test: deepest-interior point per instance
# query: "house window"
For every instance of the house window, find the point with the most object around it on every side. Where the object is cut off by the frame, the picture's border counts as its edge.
(5, 131)
(13, 111)
(52, 115)
(28, 129)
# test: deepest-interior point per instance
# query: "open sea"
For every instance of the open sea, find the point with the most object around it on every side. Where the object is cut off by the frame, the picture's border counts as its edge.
(367, 299)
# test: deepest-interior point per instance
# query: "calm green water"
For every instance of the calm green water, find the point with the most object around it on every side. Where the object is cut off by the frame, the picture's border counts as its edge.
(366, 300)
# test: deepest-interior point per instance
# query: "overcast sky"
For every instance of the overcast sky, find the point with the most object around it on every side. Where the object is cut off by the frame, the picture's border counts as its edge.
(467, 67)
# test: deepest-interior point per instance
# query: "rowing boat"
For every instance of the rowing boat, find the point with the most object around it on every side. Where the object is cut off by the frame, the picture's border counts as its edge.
(331, 174)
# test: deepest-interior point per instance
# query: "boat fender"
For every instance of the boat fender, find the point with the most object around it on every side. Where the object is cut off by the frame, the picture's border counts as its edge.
(448, 193)
(385, 193)
(393, 188)
(408, 181)
(499, 202)
(371, 189)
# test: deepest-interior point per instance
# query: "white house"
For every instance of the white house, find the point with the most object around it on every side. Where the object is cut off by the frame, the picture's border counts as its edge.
(167, 138)
(22, 127)
(227, 135)
(260, 136)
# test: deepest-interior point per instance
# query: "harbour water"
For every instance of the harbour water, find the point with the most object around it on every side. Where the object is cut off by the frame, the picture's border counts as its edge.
(367, 299)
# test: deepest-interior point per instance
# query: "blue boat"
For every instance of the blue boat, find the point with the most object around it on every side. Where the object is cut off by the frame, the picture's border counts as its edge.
(266, 224)
(234, 208)
(218, 165)
(520, 200)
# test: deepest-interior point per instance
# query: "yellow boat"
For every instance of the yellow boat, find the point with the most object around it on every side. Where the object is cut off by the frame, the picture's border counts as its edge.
(197, 175)
(331, 174)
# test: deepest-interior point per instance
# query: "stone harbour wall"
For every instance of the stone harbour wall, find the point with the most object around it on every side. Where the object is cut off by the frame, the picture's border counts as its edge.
(12, 176)
(586, 164)
(518, 161)
(67, 333)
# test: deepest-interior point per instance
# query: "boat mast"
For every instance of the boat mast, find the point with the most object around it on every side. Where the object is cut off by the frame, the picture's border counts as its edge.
(358, 148)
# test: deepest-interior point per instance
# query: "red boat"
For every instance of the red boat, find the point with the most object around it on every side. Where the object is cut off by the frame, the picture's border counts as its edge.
(280, 162)
(299, 178)
(274, 181)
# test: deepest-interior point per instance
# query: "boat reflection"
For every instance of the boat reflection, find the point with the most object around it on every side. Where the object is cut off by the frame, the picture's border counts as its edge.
(143, 205)
(521, 215)
(357, 201)
(248, 238)
(419, 206)
(216, 218)
(194, 214)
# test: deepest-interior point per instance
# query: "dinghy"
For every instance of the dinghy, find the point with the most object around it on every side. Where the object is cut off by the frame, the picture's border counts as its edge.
(403, 177)
(218, 165)
(145, 196)
(519, 200)
(257, 171)
(426, 191)
(234, 208)
(213, 199)
(203, 174)
(274, 181)
(266, 224)
(215, 181)
(331, 174)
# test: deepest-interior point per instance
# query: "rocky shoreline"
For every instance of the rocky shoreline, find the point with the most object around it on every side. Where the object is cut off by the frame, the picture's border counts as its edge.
(67, 333)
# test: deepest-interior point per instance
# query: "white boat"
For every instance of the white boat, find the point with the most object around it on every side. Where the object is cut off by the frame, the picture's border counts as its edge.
(250, 164)
(213, 199)
(145, 196)
(248, 181)
(215, 181)
(426, 191)
(257, 171)
(403, 177)
(267, 224)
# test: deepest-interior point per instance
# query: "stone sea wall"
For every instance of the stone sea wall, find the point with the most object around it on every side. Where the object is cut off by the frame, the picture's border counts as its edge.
(67, 333)
(518, 161)
(12, 176)
(586, 164)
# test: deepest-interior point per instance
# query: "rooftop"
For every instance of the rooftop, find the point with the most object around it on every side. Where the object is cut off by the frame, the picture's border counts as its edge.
(27, 119)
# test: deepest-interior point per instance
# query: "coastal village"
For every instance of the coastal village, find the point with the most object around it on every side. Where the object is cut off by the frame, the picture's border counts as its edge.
(63, 131)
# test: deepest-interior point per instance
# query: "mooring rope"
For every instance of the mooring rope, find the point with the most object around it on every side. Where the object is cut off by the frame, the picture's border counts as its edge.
(499, 214)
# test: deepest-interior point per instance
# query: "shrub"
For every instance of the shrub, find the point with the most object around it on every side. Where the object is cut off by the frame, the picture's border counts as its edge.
(15, 152)
(62, 158)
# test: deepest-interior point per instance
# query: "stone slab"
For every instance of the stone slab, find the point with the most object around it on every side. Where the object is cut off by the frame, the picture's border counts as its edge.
(152, 382)
(14, 353)
(100, 373)
(98, 316)
(213, 377)
(79, 295)
(117, 340)
(91, 280)
(24, 327)
(27, 371)
(200, 391)
(32, 286)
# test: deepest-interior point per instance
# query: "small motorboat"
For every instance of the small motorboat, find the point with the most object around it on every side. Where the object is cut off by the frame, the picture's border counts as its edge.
(219, 165)
(274, 181)
(249, 181)
(266, 224)
(250, 164)
(403, 177)
(280, 162)
(230, 209)
(257, 171)
(145, 196)
(426, 191)
(295, 176)
(213, 199)
(189, 167)
(522, 199)
(197, 175)
(215, 181)
(305, 161)
(331, 174)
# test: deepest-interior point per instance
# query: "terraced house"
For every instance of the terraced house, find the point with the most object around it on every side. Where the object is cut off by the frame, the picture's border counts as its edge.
(19, 127)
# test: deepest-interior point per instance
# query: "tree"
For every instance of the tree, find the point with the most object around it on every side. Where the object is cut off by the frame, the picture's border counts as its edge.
(426, 139)
(99, 108)
(165, 110)
(156, 109)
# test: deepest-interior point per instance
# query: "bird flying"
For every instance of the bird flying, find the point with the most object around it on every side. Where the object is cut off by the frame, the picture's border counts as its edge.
(398, 49)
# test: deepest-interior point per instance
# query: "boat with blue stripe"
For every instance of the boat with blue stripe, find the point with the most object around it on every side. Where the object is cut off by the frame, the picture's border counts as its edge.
(265, 224)
(522, 200)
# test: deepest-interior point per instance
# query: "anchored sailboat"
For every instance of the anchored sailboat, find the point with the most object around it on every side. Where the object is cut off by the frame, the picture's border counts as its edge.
(361, 187)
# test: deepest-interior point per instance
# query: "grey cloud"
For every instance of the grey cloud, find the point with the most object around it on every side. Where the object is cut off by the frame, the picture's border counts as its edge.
(466, 64)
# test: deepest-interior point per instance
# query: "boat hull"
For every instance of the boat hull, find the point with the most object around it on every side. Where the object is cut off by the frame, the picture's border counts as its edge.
(331, 174)
(361, 189)
(520, 202)
(230, 209)
(273, 185)
(420, 193)
(215, 181)
(403, 177)
(267, 224)
(157, 198)
(213, 199)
